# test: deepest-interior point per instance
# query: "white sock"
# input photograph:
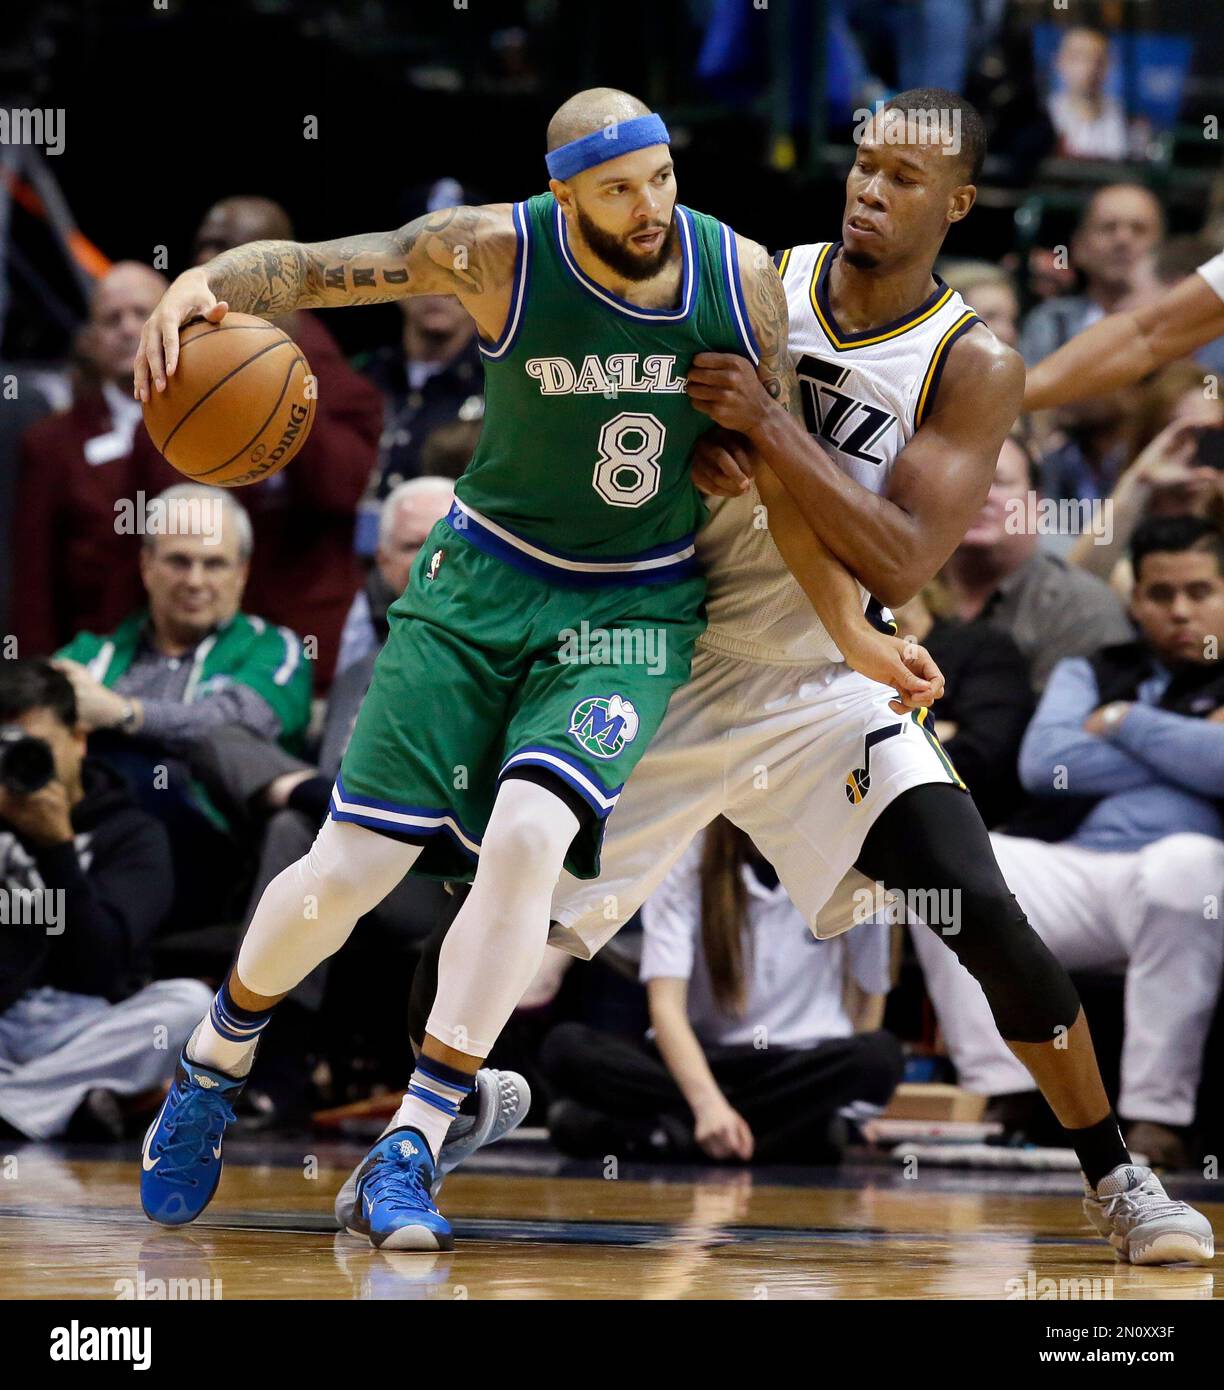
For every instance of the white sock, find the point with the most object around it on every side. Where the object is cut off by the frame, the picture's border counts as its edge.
(210, 1049)
(432, 1100)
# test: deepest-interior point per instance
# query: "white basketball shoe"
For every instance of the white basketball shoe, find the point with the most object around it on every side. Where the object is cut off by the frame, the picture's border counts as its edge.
(1146, 1226)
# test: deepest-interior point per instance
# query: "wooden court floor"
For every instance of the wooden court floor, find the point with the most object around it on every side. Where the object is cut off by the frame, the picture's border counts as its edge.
(531, 1228)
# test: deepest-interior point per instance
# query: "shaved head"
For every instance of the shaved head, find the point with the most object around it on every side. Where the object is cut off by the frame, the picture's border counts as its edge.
(595, 109)
(619, 205)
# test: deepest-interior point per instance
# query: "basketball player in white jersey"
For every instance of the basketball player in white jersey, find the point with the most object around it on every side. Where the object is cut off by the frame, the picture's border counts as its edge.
(886, 434)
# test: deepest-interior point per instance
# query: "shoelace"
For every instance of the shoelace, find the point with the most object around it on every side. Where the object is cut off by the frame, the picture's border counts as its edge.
(1126, 1204)
(399, 1187)
(195, 1130)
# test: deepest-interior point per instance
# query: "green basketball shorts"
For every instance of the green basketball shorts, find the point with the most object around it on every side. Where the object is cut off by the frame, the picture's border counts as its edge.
(490, 669)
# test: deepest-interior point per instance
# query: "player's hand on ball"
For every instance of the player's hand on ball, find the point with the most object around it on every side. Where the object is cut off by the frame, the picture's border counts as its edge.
(156, 358)
(901, 662)
(722, 1132)
(722, 464)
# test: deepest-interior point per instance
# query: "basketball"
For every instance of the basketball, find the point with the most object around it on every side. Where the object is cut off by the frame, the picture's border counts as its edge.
(236, 409)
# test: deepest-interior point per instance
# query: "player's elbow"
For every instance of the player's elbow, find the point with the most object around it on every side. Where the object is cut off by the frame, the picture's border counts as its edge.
(894, 585)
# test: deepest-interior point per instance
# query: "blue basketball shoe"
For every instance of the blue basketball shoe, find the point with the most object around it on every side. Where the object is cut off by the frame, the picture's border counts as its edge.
(503, 1099)
(180, 1164)
(393, 1204)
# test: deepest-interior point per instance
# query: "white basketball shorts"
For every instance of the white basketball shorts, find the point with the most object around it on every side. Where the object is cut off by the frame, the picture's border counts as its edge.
(801, 758)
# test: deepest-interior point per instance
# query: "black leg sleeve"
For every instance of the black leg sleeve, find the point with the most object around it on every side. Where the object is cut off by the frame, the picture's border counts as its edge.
(931, 845)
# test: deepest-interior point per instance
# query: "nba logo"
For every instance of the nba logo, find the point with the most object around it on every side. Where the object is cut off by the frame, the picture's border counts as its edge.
(435, 564)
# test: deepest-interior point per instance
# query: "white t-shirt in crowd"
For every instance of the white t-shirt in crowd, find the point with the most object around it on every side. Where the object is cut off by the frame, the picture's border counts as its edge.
(794, 982)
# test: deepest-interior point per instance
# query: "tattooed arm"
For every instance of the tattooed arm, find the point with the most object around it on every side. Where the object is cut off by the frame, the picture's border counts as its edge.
(831, 589)
(467, 252)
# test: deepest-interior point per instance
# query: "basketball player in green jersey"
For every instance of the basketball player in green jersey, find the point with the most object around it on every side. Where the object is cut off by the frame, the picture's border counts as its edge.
(545, 625)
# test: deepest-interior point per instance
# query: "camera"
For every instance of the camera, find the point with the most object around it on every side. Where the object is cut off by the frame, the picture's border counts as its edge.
(26, 762)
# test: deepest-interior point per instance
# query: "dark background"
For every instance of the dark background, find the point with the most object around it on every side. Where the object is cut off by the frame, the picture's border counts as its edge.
(168, 110)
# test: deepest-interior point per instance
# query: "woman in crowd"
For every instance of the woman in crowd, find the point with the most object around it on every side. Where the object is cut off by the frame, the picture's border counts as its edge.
(761, 1034)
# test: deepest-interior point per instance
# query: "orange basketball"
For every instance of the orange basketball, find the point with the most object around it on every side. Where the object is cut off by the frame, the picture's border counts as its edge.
(236, 409)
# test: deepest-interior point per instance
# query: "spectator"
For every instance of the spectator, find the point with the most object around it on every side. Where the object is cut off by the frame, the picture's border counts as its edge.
(991, 293)
(987, 699)
(24, 405)
(78, 1027)
(1126, 753)
(1165, 476)
(1112, 249)
(304, 573)
(755, 1052)
(931, 42)
(1083, 456)
(449, 449)
(189, 663)
(999, 574)
(73, 567)
(1090, 123)
(407, 516)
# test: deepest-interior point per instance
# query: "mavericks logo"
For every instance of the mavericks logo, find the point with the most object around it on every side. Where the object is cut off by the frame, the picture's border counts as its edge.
(604, 726)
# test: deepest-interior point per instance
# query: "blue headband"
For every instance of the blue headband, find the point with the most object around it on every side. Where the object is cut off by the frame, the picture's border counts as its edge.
(601, 145)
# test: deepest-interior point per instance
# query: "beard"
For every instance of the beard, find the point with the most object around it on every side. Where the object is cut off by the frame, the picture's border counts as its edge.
(616, 254)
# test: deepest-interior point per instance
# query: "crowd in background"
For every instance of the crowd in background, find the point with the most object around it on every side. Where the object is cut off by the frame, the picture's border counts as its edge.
(203, 691)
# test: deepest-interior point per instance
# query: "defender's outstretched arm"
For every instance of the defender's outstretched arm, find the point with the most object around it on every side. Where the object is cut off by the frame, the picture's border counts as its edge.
(1121, 349)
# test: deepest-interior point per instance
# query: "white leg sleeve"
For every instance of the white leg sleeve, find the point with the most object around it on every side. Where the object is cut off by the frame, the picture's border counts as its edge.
(496, 943)
(308, 910)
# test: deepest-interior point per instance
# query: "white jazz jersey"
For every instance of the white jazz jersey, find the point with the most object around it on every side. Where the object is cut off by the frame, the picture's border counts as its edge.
(863, 396)
(773, 730)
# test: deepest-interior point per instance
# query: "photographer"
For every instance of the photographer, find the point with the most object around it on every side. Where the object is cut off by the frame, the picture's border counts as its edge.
(85, 879)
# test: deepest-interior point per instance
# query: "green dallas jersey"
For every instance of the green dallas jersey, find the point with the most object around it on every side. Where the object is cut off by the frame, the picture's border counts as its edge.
(588, 428)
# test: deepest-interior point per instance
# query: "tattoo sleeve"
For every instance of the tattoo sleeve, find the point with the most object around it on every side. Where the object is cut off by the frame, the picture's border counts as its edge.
(828, 584)
(767, 312)
(463, 251)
